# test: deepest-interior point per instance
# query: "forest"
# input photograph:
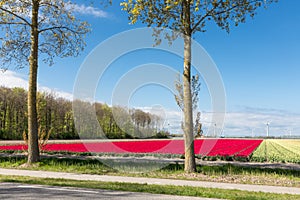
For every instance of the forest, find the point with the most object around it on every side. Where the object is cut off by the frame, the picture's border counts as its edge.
(55, 116)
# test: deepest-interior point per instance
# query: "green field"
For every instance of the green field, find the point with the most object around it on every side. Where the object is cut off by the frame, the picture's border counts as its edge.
(278, 150)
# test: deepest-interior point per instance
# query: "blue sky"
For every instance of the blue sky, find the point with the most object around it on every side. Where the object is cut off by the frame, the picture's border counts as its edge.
(259, 62)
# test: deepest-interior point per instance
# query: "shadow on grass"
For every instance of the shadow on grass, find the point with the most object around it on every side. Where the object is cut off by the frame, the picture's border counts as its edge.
(95, 166)
(233, 170)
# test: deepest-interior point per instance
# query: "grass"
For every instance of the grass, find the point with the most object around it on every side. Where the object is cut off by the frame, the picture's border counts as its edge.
(155, 189)
(225, 173)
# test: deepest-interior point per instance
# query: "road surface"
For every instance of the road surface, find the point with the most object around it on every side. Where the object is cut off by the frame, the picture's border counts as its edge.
(9, 191)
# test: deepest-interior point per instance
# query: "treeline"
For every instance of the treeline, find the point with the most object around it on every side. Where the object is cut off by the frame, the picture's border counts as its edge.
(55, 115)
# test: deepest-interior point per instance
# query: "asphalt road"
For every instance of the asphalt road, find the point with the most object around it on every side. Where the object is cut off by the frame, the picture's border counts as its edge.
(9, 191)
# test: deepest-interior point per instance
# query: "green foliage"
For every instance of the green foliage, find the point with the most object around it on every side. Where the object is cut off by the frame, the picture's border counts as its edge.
(162, 134)
(55, 116)
(174, 14)
(13, 112)
(276, 150)
(115, 122)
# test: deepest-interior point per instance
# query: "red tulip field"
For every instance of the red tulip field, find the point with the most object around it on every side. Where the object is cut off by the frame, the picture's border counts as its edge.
(203, 147)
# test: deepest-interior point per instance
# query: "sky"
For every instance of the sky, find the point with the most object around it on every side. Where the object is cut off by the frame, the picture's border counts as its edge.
(258, 61)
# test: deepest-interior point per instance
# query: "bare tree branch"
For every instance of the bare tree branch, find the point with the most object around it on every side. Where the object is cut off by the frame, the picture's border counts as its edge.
(61, 27)
(16, 15)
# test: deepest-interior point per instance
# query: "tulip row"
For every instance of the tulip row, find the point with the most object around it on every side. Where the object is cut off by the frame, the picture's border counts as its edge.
(203, 147)
(285, 151)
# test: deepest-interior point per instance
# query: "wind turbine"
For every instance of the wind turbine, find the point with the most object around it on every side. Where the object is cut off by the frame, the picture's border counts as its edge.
(268, 128)
(252, 132)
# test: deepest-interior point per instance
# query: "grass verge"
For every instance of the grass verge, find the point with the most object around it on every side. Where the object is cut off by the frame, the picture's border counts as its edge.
(155, 189)
(225, 173)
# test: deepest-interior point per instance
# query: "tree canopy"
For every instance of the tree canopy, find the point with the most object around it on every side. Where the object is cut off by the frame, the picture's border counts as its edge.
(171, 14)
(60, 33)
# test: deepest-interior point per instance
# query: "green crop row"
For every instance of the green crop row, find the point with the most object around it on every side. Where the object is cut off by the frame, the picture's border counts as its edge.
(284, 151)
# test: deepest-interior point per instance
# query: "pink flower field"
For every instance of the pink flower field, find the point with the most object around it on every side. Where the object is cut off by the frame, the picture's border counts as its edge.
(203, 147)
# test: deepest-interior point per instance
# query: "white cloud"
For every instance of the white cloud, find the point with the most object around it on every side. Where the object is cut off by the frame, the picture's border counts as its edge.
(243, 123)
(87, 10)
(254, 122)
(57, 93)
(80, 9)
(12, 79)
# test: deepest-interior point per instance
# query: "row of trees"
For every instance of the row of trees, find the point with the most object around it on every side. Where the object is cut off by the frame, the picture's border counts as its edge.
(55, 115)
(116, 122)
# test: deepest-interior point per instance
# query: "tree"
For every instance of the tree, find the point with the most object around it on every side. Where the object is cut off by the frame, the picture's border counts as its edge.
(12, 113)
(195, 89)
(189, 17)
(33, 27)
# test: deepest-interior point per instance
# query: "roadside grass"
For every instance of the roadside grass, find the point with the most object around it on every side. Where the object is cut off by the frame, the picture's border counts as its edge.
(233, 174)
(225, 173)
(155, 189)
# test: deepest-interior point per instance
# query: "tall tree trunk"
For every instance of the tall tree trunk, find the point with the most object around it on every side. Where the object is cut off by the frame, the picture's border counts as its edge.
(33, 147)
(4, 115)
(189, 162)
